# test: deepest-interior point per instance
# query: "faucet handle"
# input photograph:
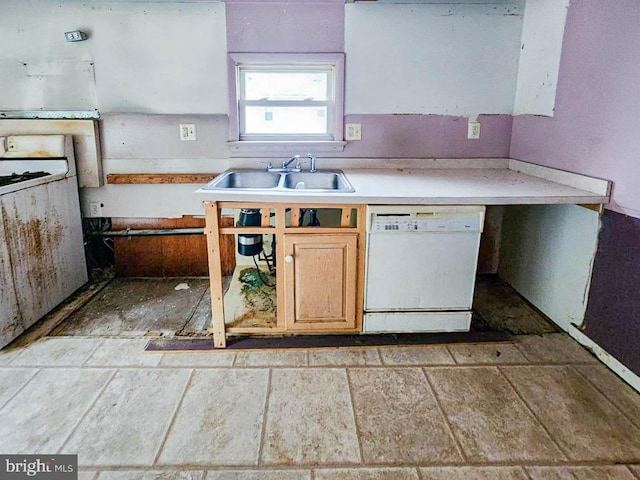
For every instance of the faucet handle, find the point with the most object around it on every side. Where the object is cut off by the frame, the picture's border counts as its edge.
(312, 162)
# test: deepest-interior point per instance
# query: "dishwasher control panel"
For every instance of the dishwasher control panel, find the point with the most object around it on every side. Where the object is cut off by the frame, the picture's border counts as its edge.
(392, 224)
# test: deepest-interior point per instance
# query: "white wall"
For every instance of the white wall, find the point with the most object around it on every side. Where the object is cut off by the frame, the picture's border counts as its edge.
(431, 58)
(542, 35)
(140, 57)
(546, 254)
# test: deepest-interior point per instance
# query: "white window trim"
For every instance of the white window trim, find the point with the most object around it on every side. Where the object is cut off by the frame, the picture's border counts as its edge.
(336, 126)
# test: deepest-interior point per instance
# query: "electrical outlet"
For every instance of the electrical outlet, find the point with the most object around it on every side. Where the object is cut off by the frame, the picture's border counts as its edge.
(95, 209)
(75, 36)
(187, 131)
(473, 130)
(353, 131)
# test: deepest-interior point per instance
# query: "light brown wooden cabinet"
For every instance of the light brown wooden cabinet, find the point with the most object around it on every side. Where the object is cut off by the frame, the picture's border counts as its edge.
(320, 275)
(320, 269)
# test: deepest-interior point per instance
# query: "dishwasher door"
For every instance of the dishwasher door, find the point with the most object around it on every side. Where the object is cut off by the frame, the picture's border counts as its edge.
(422, 259)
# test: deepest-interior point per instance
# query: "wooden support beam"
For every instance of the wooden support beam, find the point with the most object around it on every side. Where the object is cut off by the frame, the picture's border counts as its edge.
(215, 275)
(159, 178)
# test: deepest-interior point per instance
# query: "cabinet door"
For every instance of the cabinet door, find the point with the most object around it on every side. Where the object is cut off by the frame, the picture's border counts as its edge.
(10, 318)
(320, 275)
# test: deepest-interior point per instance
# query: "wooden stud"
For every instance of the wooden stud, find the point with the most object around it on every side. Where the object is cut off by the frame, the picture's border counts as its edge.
(247, 230)
(281, 226)
(361, 222)
(215, 275)
(596, 207)
(295, 217)
(266, 217)
(345, 218)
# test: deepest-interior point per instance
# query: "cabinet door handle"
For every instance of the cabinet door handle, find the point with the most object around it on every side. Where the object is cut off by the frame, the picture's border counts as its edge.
(288, 259)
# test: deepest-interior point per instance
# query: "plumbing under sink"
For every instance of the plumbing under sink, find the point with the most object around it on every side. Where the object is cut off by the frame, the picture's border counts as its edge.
(325, 181)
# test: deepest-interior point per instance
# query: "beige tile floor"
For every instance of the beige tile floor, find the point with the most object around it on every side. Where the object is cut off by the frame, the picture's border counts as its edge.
(540, 408)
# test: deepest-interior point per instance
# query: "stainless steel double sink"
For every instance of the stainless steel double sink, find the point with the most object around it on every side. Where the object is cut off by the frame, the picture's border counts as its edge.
(326, 181)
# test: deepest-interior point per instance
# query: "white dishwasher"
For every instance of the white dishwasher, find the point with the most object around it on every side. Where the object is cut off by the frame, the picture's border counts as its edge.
(421, 267)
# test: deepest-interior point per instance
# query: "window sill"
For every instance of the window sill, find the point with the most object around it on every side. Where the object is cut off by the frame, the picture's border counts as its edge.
(245, 148)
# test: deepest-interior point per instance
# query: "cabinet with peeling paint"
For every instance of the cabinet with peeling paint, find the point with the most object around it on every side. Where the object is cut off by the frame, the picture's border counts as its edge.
(10, 319)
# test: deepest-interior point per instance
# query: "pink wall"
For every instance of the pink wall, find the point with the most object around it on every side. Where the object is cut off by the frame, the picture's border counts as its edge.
(594, 129)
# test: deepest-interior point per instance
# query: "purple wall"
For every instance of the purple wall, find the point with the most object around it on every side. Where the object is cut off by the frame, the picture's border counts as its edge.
(285, 27)
(594, 129)
(440, 136)
(613, 311)
(593, 132)
(318, 26)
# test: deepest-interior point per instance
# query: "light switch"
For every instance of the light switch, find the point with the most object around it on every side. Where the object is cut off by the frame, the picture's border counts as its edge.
(473, 131)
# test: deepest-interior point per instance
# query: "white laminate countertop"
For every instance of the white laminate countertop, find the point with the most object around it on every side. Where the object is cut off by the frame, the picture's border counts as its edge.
(443, 186)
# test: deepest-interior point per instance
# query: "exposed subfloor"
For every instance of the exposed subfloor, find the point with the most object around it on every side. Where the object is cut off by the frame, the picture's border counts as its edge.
(133, 307)
(539, 407)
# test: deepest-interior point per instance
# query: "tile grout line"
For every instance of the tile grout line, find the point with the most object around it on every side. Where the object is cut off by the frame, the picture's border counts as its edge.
(355, 416)
(350, 466)
(515, 344)
(380, 356)
(263, 431)
(88, 409)
(526, 473)
(624, 414)
(100, 343)
(22, 387)
(440, 366)
(532, 413)
(173, 417)
(633, 474)
(455, 361)
(444, 415)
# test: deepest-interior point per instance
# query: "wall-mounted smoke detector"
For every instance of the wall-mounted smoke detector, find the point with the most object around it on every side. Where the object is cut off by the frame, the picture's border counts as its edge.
(75, 36)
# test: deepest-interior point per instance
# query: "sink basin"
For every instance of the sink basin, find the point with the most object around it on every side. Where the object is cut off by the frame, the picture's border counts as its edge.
(246, 179)
(323, 181)
(332, 181)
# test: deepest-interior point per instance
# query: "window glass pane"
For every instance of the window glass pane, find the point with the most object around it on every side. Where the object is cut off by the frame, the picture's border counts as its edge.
(285, 120)
(283, 85)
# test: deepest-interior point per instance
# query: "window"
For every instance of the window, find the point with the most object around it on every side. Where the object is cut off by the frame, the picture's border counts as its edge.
(282, 99)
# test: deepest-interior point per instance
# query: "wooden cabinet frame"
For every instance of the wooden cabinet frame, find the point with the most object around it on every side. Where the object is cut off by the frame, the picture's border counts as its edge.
(213, 230)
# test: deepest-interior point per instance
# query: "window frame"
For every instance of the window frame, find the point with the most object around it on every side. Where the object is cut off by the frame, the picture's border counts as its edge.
(333, 141)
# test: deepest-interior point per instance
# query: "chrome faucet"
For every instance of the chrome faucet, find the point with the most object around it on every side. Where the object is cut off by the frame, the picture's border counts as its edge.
(312, 162)
(285, 165)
